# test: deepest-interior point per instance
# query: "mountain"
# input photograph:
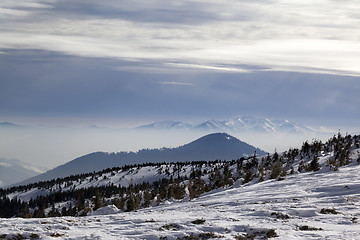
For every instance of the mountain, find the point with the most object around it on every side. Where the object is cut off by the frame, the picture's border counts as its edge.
(13, 171)
(309, 192)
(217, 146)
(238, 124)
(212, 125)
(10, 125)
(210, 147)
(167, 124)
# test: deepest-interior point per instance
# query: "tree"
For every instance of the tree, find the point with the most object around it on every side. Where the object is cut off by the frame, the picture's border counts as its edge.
(97, 200)
(81, 201)
(26, 212)
(179, 191)
(119, 203)
(275, 156)
(147, 199)
(228, 176)
(276, 170)
(39, 213)
(314, 164)
(130, 204)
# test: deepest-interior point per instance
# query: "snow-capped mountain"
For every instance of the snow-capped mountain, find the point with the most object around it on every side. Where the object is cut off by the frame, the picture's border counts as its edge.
(212, 125)
(13, 171)
(208, 148)
(238, 124)
(167, 124)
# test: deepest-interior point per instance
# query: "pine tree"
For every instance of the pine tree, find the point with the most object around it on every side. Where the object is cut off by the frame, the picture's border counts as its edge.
(147, 199)
(190, 189)
(39, 213)
(179, 192)
(276, 170)
(137, 201)
(97, 200)
(130, 204)
(26, 211)
(314, 164)
(81, 201)
(228, 176)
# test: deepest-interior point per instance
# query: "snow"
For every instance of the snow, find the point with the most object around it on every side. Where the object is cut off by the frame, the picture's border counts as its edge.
(125, 178)
(4, 164)
(285, 206)
(111, 209)
(26, 196)
(237, 124)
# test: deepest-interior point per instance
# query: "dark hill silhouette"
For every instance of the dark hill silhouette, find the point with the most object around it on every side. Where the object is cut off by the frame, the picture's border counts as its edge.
(216, 146)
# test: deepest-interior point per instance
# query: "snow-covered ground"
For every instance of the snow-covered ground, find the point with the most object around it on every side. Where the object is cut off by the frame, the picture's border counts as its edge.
(292, 208)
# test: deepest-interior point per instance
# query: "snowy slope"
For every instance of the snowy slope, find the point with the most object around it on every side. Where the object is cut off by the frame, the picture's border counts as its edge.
(286, 206)
(321, 202)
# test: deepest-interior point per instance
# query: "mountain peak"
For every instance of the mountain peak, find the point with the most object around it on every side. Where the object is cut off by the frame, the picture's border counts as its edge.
(217, 138)
(215, 146)
(223, 146)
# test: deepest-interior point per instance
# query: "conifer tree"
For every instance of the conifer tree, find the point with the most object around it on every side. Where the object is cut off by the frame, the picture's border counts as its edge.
(276, 170)
(314, 164)
(97, 200)
(130, 204)
(179, 192)
(26, 211)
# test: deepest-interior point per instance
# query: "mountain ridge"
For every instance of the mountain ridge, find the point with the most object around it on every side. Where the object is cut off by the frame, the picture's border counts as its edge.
(215, 146)
(237, 124)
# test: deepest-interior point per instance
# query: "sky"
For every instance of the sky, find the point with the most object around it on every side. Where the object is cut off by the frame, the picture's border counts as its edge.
(126, 63)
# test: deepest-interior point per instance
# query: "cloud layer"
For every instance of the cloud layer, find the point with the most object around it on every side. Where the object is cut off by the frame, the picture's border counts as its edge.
(165, 59)
(301, 36)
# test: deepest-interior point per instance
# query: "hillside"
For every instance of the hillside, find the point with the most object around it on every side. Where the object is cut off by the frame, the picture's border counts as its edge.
(292, 208)
(308, 193)
(208, 148)
(314, 197)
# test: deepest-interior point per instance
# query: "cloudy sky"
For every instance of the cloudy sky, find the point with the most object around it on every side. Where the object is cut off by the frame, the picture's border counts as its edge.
(129, 62)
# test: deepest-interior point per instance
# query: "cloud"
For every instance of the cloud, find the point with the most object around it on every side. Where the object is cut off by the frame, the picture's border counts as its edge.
(223, 67)
(177, 83)
(294, 36)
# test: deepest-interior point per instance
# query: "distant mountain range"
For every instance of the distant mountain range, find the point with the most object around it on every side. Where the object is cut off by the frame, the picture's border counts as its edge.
(214, 146)
(13, 171)
(10, 125)
(239, 124)
(232, 125)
